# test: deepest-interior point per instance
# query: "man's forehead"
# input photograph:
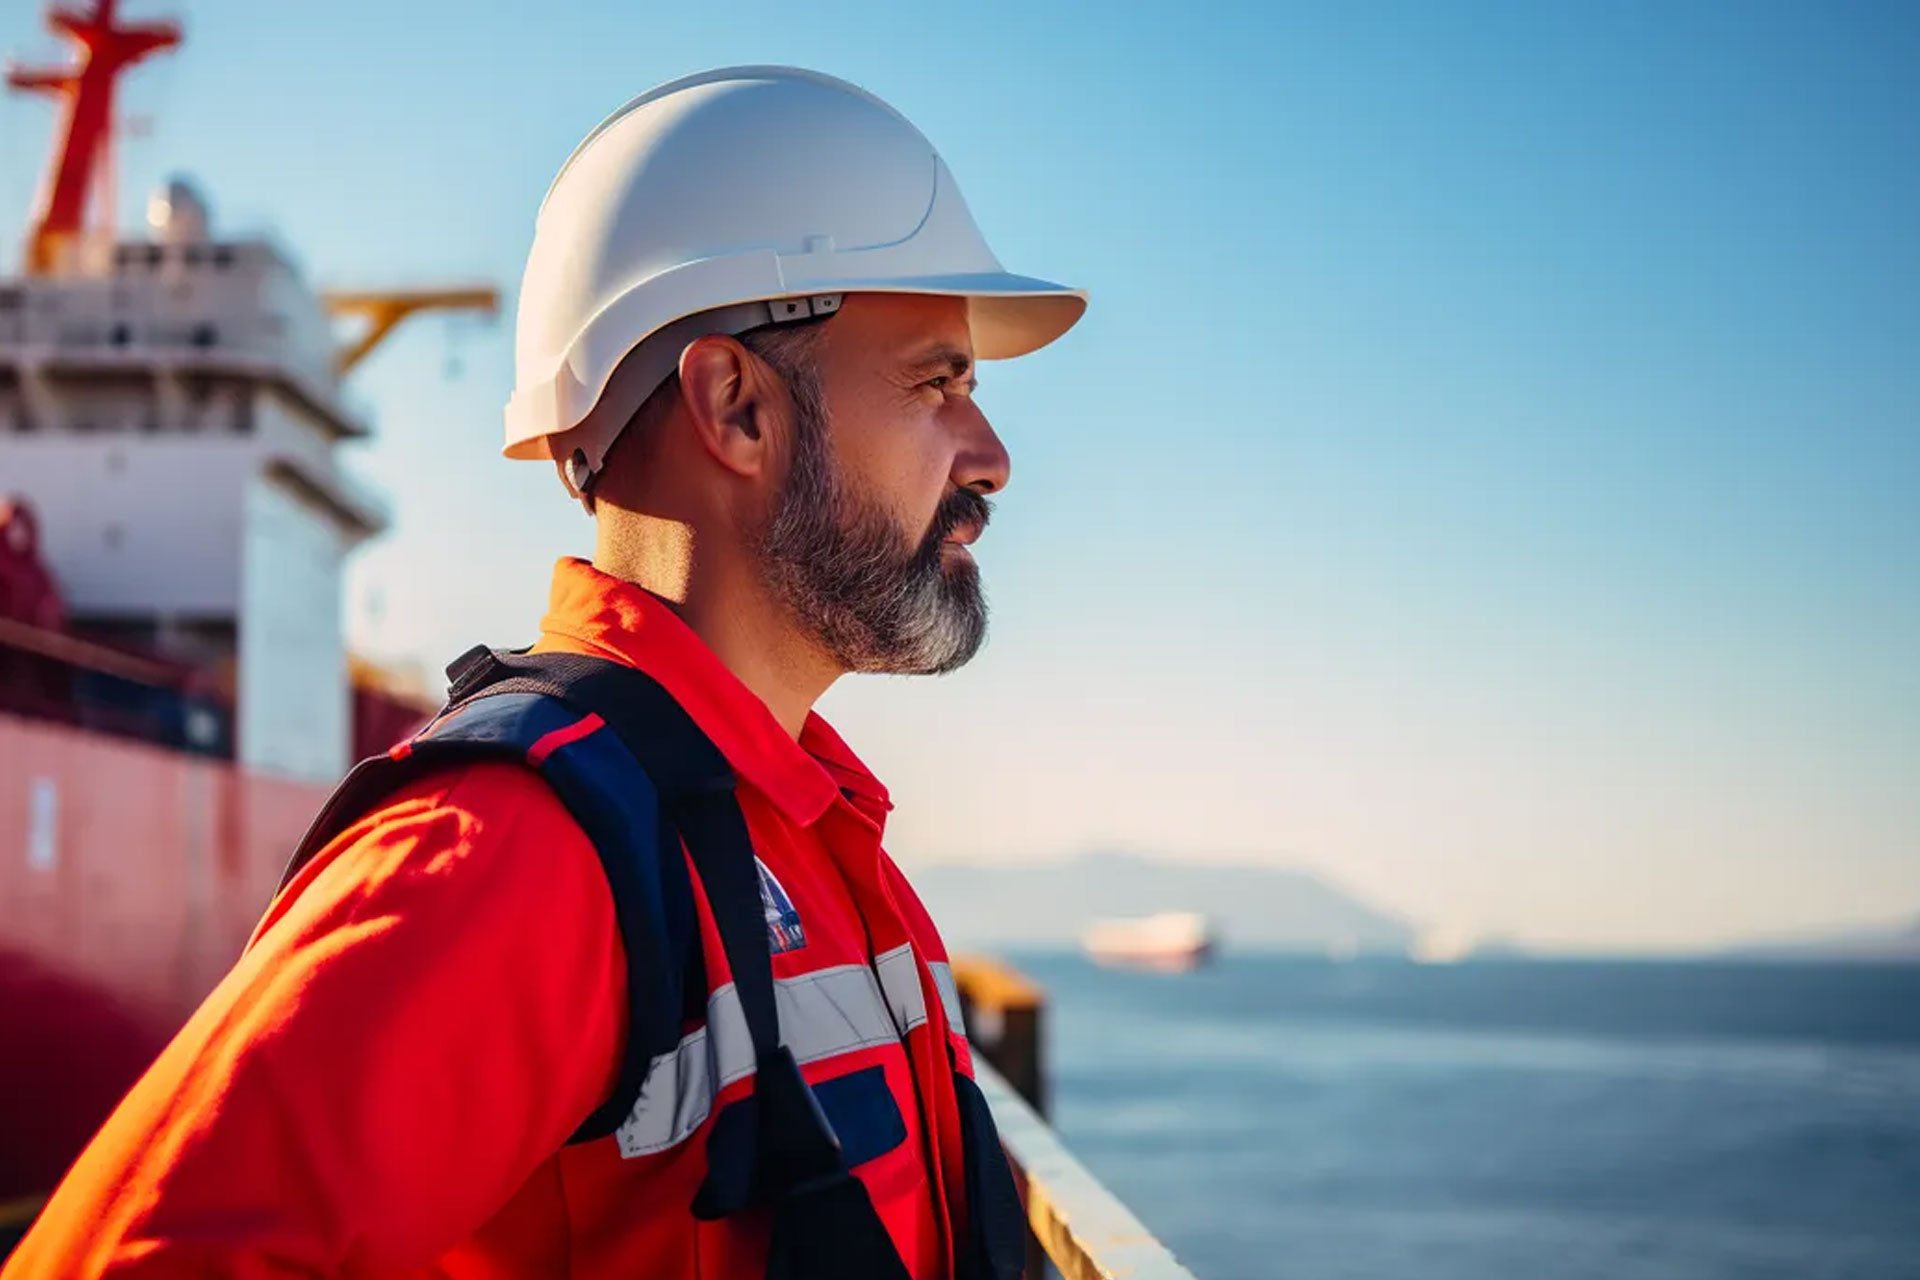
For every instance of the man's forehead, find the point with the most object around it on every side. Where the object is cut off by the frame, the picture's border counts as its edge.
(912, 328)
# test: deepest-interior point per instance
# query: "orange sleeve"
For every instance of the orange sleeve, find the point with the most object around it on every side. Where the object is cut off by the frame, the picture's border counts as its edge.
(424, 1018)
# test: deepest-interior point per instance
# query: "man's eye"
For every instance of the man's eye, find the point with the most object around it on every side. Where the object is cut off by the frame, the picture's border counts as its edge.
(940, 382)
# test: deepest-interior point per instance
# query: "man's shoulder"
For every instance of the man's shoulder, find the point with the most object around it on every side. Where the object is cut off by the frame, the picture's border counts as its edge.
(474, 799)
(483, 823)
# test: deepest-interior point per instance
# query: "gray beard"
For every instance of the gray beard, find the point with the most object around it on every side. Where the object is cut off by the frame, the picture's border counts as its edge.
(833, 557)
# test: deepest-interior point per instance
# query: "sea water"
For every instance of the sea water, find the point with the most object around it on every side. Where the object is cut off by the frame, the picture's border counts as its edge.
(1383, 1120)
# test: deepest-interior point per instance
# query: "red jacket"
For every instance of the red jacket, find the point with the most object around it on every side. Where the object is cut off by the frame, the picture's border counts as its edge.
(386, 1081)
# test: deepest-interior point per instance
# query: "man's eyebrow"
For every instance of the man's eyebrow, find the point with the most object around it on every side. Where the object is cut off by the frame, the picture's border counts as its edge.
(948, 359)
(953, 359)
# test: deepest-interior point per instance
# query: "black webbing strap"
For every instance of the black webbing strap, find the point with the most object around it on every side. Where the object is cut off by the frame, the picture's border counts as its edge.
(695, 784)
(995, 1246)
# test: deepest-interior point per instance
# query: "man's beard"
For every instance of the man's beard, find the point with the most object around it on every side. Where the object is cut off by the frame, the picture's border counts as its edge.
(834, 557)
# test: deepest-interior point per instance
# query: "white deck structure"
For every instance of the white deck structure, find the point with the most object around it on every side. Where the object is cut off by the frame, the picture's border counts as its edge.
(170, 408)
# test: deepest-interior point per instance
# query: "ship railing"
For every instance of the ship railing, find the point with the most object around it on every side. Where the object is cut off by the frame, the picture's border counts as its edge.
(1075, 1222)
(15, 1217)
(53, 676)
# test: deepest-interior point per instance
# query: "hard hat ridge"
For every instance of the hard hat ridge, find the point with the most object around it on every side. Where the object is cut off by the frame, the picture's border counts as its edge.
(769, 71)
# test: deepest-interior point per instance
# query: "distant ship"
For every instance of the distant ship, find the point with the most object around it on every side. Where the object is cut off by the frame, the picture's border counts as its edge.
(1171, 941)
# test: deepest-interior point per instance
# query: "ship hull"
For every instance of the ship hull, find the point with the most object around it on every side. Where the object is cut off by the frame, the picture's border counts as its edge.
(1171, 942)
(1157, 960)
(131, 877)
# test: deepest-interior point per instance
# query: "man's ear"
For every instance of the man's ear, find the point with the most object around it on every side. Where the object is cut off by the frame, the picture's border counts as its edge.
(725, 402)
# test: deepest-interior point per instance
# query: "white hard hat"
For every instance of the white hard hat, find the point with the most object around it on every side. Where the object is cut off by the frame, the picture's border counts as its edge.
(725, 201)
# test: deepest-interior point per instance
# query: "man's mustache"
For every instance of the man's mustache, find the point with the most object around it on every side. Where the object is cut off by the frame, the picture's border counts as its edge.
(961, 509)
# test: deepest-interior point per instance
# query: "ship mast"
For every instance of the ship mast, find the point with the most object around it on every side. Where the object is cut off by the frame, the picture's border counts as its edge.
(106, 49)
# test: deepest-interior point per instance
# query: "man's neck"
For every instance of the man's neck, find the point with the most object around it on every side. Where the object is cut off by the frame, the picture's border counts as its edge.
(724, 603)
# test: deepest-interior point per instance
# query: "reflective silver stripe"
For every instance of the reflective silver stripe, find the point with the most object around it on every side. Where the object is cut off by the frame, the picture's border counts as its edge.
(822, 1014)
(949, 995)
(900, 981)
(832, 1011)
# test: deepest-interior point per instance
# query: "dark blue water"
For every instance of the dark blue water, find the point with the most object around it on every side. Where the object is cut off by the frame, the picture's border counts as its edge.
(1310, 1120)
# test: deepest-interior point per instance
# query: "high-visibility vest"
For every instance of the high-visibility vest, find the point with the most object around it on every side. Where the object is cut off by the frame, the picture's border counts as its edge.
(644, 783)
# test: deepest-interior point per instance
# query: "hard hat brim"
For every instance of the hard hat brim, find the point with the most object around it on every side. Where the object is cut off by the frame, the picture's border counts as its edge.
(1010, 315)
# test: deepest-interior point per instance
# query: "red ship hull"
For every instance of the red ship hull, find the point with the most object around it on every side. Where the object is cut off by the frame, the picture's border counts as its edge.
(130, 878)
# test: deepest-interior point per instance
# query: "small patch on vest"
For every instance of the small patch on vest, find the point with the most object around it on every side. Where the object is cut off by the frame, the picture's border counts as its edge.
(783, 922)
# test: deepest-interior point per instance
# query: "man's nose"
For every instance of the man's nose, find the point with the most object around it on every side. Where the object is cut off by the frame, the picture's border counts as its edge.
(981, 462)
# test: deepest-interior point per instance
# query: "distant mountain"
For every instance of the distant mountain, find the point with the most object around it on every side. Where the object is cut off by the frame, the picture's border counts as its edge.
(1051, 903)
(1898, 943)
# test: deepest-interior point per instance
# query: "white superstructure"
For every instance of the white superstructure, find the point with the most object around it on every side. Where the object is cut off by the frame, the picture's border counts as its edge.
(170, 406)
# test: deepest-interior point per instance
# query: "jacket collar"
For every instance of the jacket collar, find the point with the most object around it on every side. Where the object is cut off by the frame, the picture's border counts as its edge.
(597, 614)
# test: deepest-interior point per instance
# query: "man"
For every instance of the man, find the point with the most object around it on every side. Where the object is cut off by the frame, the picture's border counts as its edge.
(501, 1022)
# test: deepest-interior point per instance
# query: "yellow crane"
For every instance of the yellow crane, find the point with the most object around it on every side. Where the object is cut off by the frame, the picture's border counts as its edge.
(382, 309)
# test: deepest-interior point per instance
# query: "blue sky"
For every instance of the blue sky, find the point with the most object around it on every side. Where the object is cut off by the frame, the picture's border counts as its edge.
(1487, 473)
